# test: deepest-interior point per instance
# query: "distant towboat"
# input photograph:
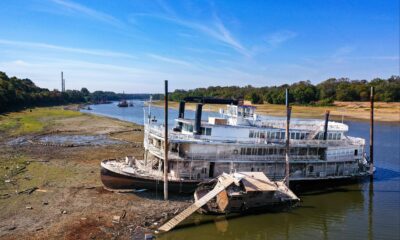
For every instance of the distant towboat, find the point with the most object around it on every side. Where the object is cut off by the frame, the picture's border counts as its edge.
(123, 103)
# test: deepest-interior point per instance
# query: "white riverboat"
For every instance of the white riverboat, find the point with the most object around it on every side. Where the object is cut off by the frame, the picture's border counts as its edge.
(239, 140)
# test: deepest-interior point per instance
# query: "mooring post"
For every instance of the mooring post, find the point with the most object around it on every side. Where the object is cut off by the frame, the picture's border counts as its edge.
(166, 141)
(288, 112)
(371, 135)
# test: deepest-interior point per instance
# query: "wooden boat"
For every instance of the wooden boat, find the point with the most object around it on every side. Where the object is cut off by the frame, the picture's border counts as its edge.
(241, 192)
(250, 192)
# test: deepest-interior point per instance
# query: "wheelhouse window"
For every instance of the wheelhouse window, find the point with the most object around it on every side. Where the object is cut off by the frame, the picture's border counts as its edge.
(205, 131)
(188, 127)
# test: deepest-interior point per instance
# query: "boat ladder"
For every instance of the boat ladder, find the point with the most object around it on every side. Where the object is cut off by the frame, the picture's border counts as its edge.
(223, 182)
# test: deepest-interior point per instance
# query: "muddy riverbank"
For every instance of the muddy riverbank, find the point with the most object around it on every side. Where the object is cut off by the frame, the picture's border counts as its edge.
(49, 178)
(384, 112)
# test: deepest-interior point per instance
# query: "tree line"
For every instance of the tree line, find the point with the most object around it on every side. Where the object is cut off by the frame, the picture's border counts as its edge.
(18, 93)
(304, 92)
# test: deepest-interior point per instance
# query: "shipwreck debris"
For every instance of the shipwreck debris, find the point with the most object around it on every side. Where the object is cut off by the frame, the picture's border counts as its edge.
(237, 192)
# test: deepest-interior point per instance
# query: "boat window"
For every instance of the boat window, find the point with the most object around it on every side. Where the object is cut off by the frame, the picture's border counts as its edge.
(281, 151)
(355, 152)
(311, 169)
(292, 134)
(268, 134)
(188, 127)
(303, 151)
(339, 136)
(251, 134)
(273, 135)
(320, 136)
(264, 151)
(260, 151)
(254, 151)
(302, 135)
(248, 151)
(205, 131)
(262, 134)
(270, 151)
(242, 151)
(283, 135)
(297, 135)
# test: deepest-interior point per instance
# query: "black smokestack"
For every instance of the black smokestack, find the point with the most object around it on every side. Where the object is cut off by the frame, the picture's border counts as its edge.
(181, 109)
(181, 113)
(197, 120)
(326, 125)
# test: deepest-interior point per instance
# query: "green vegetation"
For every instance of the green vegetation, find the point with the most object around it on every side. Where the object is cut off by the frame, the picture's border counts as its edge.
(18, 93)
(31, 121)
(303, 92)
(101, 96)
(22, 93)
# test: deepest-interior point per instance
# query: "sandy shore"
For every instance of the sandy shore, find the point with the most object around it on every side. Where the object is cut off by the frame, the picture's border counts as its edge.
(384, 112)
(55, 192)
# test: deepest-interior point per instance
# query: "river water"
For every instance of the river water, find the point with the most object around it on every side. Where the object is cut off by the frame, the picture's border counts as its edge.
(359, 211)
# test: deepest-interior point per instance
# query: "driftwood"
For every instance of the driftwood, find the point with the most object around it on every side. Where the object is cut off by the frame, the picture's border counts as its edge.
(28, 191)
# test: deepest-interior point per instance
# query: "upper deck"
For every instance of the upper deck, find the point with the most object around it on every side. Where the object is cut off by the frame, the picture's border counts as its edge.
(240, 125)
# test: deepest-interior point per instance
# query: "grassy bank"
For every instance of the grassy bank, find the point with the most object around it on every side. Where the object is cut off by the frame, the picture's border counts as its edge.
(385, 112)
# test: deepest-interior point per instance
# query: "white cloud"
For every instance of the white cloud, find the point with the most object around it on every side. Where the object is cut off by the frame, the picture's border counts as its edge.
(280, 37)
(95, 52)
(215, 29)
(170, 60)
(86, 11)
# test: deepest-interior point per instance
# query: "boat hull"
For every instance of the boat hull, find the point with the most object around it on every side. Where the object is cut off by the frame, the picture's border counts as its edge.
(114, 180)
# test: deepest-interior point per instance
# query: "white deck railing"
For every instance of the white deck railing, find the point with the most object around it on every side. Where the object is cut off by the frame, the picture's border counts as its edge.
(158, 131)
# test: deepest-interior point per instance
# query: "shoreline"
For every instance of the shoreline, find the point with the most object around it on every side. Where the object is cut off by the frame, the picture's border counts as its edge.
(359, 111)
(52, 190)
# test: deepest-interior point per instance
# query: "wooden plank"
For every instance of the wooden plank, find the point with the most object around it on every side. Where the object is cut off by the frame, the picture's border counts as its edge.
(223, 182)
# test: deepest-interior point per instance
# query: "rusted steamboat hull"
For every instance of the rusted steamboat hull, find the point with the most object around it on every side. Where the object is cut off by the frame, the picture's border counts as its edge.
(116, 180)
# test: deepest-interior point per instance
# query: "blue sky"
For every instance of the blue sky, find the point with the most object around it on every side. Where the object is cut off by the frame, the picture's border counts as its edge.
(134, 45)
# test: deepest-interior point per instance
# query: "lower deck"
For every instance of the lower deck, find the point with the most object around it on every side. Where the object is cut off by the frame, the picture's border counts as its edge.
(275, 170)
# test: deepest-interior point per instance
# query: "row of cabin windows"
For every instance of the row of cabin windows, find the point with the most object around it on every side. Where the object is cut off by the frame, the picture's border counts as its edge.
(203, 131)
(293, 135)
(280, 151)
(331, 136)
(277, 135)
